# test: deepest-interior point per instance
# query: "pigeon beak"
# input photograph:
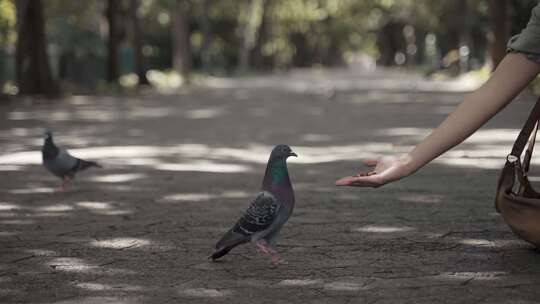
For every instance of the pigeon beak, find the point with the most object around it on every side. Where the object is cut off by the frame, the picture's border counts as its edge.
(293, 154)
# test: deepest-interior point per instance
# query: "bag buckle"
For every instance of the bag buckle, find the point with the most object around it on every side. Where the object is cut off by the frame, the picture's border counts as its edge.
(511, 158)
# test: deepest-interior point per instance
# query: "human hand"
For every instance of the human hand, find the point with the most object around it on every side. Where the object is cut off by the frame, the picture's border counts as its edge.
(386, 169)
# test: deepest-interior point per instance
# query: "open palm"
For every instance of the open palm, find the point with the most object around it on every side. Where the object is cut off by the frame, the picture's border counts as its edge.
(386, 169)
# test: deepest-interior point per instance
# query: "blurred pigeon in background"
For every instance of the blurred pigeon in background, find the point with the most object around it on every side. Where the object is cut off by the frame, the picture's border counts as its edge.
(267, 214)
(60, 163)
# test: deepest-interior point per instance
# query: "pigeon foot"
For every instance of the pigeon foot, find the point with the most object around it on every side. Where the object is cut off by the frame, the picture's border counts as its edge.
(277, 260)
(263, 247)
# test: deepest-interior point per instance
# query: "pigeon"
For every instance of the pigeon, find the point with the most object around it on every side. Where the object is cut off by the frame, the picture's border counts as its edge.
(267, 213)
(60, 163)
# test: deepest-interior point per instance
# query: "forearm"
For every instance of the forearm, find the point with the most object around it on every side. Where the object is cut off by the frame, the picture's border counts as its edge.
(511, 76)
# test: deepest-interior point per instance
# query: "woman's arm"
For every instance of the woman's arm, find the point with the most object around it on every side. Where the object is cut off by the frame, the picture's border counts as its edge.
(512, 75)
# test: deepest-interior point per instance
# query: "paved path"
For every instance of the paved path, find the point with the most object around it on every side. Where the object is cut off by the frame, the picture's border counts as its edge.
(180, 168)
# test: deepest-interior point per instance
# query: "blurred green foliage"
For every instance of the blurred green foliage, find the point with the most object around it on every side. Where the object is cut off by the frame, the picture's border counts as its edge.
(7, 39)
(299, 33)
(7, 23)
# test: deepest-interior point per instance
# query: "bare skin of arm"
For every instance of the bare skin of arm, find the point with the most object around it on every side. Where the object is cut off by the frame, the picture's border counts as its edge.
(512, 75)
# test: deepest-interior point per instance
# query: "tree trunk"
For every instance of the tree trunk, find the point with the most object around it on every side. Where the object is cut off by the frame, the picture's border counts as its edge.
(32, 69)
(498, 20)
(112, 43)
(206, 30)
(251, 31)
(258, 60)
(180, 37)
(140, 69)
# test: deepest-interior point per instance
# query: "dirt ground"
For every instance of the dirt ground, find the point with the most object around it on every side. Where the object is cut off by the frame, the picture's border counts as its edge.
(180, 167)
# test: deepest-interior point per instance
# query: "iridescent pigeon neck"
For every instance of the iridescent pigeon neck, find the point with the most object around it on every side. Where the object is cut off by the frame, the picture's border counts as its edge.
(276, 174)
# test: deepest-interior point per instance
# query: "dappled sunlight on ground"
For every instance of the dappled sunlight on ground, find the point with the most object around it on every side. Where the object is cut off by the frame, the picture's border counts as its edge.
(133, 113)
(481, 276)
(203, 158)
(204, 113)
(42, 252)
(114, 212)
(383, 229)
(10, 168)
(95, 205)
(8, 206)
(342, 286)
(179, 169)
(344, 79)
(121, 243)
(105, 287)
(477, 242)
(196, 197)
(99, 300)
(17, 222)
(494, 243)
(478, 152)
(55, 208)
(202, 166)
(424, 199)
(32, 190)
(103, 208)
(300, 282)
(316, 137)
(118, 178)
(60, 209)
(205, 292)
(480, 163)
(69, 264)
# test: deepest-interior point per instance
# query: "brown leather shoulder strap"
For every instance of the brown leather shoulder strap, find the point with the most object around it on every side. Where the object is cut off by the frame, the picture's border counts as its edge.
(525, 133)
(530, 147)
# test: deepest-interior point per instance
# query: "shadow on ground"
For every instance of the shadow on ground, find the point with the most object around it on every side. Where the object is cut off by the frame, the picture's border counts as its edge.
(180, 168)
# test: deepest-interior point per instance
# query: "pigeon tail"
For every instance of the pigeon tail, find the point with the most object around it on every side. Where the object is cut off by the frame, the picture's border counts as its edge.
(230, 240)
(216, 255)
(85, 164)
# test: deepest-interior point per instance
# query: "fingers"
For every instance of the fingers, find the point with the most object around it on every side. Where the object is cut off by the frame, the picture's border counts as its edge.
(360, 181)
(370, 162)
(362, 173)
(345, 181)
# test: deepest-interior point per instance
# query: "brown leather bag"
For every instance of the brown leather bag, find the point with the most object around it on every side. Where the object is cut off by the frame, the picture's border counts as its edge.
(517, 201)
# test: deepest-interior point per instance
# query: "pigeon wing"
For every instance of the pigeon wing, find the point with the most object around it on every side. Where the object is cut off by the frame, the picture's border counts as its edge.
(259, 215)
(63, 164)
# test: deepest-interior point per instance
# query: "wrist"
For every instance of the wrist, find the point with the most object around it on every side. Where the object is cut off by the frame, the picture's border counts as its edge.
(408, 163)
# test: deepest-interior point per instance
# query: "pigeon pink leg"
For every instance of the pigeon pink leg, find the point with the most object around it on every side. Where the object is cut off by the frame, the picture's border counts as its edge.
(277, 260)
(264, 248)
(62, 187)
